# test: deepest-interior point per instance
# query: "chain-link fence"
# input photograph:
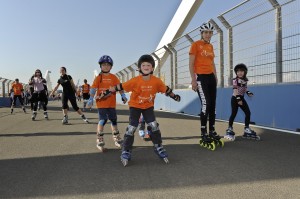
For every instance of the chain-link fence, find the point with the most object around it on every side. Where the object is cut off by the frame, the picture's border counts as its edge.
(263, 34)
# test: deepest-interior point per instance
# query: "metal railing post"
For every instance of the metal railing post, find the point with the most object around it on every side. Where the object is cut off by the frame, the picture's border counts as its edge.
(230, 46)
(278, 29)
(171, 65)
(221, 55)
(158, 63)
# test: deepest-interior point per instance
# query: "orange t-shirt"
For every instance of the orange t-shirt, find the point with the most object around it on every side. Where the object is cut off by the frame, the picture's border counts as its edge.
(85, 88)
(143, 92)
(18, 88)
(204, 57)
(102, 82)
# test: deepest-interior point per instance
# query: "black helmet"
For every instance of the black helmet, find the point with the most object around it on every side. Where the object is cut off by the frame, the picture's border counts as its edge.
(242, 67)
(16, 79)
(146, 58)
(85, 81)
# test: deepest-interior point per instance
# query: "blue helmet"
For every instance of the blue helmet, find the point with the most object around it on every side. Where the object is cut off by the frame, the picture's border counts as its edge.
(105, 59)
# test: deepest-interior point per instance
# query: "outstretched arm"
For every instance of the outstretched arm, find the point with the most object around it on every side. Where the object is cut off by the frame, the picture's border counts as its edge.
(169, 92)
(56, 87)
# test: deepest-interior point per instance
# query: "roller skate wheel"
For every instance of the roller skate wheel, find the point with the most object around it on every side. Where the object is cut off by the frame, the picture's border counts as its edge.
(201, 142)
(257, 138)
(212, 146)
(166, 160)
(221, 143)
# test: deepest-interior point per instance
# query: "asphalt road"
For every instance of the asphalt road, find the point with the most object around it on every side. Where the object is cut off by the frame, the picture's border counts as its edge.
(45, 159)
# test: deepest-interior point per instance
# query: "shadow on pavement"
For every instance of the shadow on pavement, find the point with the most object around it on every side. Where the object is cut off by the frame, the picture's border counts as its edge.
(190, 165)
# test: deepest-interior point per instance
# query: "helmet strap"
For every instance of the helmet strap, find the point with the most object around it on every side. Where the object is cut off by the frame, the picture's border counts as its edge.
(143, 74)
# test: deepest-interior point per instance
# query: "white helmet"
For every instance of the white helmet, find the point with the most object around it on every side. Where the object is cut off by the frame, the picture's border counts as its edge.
(206, 26)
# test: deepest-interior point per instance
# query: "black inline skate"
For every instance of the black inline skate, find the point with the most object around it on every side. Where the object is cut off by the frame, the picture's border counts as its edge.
(250, 134)
(216, 138)
(206, 142)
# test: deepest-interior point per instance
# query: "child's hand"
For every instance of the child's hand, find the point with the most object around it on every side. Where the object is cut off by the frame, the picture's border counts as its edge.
(177, 98)
(104, 94)
(250, 94)
(124, 98)
(112, 89)
(239, 100)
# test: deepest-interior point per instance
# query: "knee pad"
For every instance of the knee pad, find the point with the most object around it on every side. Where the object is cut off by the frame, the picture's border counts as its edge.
(102, 122)
(130, 130)
(114, 122)
(153, 126)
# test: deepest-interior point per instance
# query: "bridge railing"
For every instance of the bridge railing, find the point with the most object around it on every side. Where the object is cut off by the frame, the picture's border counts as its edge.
(263, 34)
(5, 86)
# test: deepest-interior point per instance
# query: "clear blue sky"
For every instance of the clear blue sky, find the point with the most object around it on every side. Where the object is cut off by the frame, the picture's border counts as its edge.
(48, 34)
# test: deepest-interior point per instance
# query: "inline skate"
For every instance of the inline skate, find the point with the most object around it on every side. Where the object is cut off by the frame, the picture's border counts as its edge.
(230, 135)
(117, 139)
(65, 119)
(250, 134)
(84, 118)
(125, 157)
(33, 116)
(206, 142)
(100, 143)
(45, 115)
(161, 152)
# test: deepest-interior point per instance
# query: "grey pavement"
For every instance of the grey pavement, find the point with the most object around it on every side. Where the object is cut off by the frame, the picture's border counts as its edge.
(45, 159)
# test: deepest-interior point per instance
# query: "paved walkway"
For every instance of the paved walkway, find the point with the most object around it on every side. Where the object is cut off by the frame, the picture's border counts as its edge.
(44, 159)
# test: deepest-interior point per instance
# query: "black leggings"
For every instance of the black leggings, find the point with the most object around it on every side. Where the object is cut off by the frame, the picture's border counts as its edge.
(149, 117)
(39, 96)
(72, 98)
(234, 109)
(15, 100)
(207, 92)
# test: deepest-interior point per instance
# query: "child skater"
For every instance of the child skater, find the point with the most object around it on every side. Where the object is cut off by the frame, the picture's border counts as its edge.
(106, 105)
(238, 100)
(144, 88)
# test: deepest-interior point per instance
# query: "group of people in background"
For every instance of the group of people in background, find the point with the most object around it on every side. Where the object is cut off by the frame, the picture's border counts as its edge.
(143, 90)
